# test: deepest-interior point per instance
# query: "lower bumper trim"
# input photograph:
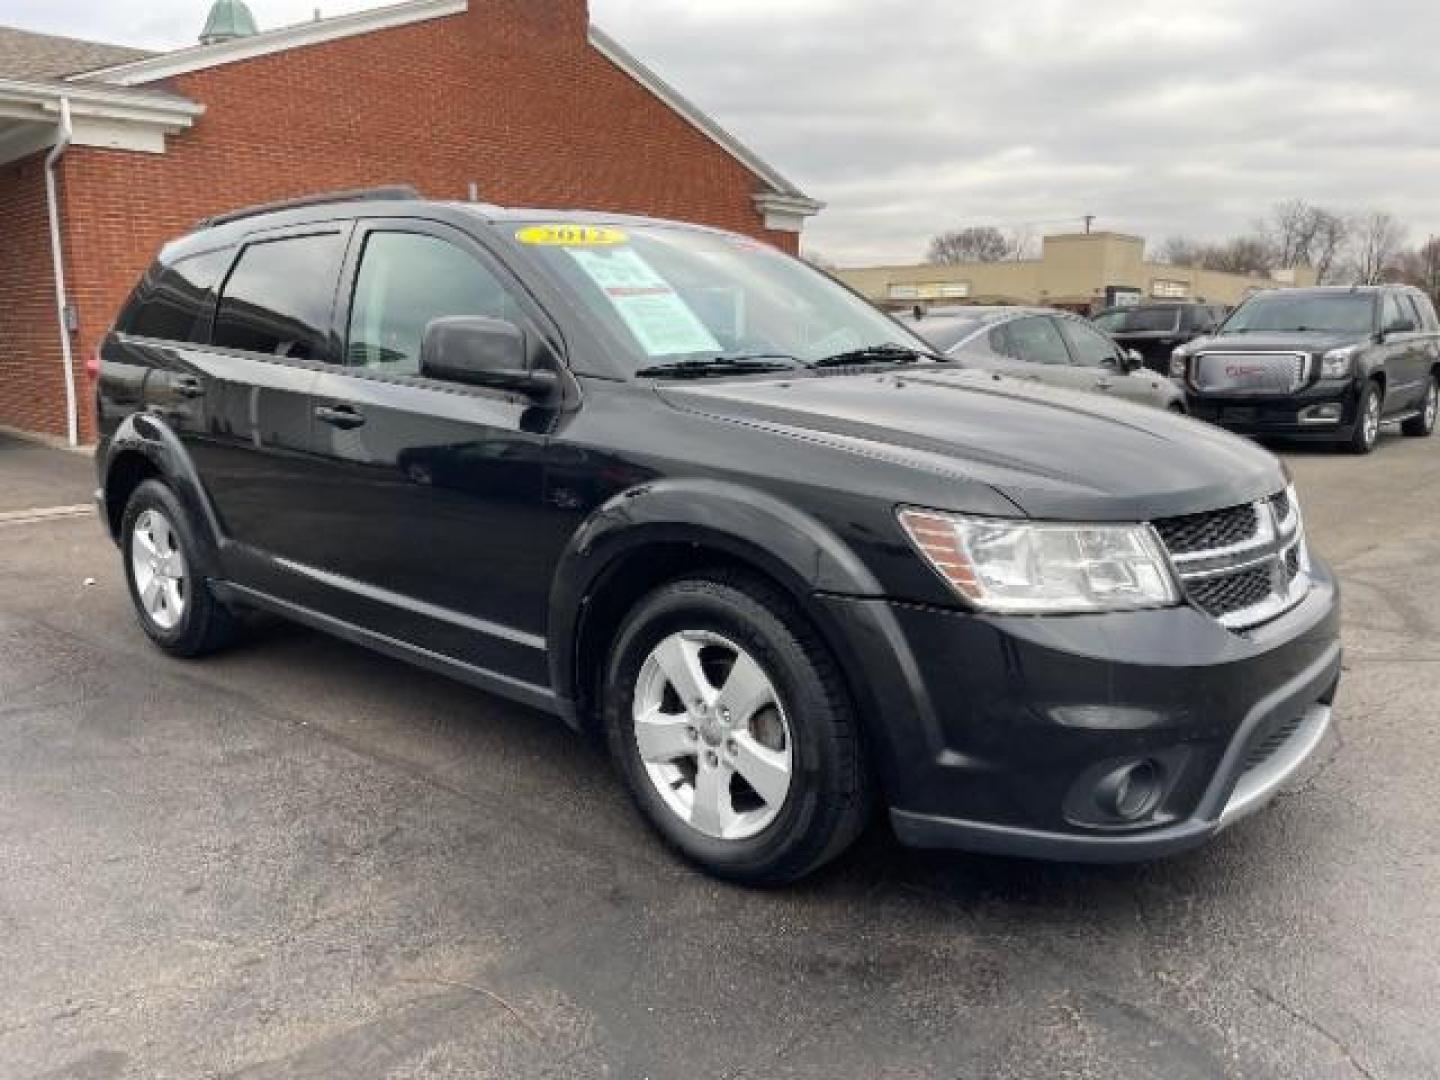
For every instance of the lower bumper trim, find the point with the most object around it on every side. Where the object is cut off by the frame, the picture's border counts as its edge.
(1254, 789)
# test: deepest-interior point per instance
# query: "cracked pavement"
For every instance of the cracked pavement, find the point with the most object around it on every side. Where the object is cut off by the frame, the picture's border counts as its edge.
(298, 859)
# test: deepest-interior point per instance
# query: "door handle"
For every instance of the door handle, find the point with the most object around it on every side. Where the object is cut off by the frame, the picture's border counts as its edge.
(341, 416)
(188, 386)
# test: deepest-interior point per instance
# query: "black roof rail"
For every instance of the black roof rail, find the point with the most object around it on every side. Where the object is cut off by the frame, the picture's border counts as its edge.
(391, 193)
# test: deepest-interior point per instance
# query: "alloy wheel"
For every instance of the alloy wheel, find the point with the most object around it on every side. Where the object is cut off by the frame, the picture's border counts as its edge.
(159, 569)
(1371, 419)
(712, 734)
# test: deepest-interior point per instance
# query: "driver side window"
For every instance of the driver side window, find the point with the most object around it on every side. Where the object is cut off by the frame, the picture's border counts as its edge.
(405, 281)
(1393, 315)
(1090, 349)
(1036, 340)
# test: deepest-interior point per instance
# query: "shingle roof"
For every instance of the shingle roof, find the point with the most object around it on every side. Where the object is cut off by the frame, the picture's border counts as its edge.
(27, 55)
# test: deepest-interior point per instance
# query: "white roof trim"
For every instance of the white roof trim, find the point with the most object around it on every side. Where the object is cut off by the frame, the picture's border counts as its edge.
(200, 57)
(103, 116)
(627, 62)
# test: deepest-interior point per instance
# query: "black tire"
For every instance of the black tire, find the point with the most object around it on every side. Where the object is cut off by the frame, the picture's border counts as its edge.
(1364, 436)
(829, 796)
(1424, 424)
(203, 624)
(1178, 408)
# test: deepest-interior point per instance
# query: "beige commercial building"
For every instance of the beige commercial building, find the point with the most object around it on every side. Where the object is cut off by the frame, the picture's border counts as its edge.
(1080, 272)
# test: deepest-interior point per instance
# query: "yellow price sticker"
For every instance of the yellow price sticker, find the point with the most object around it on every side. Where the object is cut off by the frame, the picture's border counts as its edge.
(572, 236)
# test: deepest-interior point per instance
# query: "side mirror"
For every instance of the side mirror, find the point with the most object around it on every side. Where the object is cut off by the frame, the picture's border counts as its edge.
(482, 352)
(1132, 361)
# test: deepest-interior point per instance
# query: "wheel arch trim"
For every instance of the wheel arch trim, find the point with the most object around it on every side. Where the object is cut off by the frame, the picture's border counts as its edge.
(750, 526)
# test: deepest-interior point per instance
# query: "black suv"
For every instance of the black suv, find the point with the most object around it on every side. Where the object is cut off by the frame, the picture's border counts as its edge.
(1329, 364)
(1154, 330)
(684, 491)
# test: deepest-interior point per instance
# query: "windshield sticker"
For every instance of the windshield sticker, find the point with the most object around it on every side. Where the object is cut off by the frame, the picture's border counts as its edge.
(580, 236)
(652, 310)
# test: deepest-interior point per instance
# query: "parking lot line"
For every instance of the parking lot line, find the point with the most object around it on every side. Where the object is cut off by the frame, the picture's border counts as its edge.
(46, 513)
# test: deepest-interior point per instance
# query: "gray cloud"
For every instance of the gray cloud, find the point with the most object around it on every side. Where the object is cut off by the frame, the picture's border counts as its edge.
(909, 117)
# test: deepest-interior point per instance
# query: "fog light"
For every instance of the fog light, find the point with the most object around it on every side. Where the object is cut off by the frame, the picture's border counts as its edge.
(1328, 413)
(1132, 791)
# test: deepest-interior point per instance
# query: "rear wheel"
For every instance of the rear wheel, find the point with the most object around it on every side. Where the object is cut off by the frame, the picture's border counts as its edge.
(172, 603)
(1367, 420)
(1424, 423)
(731, 726)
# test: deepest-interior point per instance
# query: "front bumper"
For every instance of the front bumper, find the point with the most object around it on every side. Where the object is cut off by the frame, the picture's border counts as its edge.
(1302, 415)
(991, 731)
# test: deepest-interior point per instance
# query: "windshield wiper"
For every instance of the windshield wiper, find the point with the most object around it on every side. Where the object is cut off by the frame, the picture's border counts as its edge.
(720, 365)
(888, 353)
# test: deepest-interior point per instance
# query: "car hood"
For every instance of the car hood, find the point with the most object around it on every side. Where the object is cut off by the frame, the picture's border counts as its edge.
(1053, 453)
(1306, 341)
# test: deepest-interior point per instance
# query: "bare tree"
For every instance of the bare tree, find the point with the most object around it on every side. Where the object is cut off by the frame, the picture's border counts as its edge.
(1240, 255)
(1023, 242)
(1378, 240)
(1421, 267)
(1327, 245)
(1292, 231)
(976, 243)
(1181, 251)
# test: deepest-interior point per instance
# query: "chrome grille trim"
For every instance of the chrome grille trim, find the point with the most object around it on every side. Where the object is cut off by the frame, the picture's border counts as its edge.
(1277, 546)
(1299, 373)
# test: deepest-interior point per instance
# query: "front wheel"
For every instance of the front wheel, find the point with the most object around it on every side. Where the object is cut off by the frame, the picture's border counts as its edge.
(1367, 420)
(729, 721)
(1424, 423)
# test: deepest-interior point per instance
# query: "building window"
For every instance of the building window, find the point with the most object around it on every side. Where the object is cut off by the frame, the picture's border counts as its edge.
(931, 290)
(1169, 289)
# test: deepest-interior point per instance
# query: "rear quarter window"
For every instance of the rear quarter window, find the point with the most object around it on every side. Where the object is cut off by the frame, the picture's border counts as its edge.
(173, 302)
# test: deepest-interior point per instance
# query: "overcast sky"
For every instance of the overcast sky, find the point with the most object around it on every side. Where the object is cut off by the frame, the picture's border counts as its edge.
(1161, 118)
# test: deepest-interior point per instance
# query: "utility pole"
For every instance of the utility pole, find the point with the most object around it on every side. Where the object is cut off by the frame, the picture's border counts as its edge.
(1089, 220)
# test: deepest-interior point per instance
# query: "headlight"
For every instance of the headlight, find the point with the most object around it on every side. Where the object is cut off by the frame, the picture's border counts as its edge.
(1178, 359)
(1336, 363)
(1026, 567)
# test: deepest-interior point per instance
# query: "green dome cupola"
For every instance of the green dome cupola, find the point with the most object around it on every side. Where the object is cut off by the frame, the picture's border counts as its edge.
(229, 19)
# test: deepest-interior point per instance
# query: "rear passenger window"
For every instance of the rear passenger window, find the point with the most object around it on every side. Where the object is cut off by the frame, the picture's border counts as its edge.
(172, 302)
(405, 281)
(277, 299)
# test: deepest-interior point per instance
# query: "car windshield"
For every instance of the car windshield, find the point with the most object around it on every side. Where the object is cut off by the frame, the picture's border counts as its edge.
(1136, 320)
(685, 301)
(1341, 313)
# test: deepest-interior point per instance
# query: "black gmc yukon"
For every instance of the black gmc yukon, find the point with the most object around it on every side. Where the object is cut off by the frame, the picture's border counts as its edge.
(683, 491)
(1329, 364)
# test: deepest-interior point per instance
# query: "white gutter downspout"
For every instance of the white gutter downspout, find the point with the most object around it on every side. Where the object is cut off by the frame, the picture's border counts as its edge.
(62, 306)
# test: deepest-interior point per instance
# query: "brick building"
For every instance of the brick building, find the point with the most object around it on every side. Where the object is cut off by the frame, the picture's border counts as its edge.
(520, 102)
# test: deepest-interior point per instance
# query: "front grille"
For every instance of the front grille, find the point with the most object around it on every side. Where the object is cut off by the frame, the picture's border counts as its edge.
(1231, 593)
(1249, 373)
(1266, 741)
(1241, 564)
(1206, 532)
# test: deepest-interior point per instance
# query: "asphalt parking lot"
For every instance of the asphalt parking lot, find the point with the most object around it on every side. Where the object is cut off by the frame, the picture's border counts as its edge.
(298, 859)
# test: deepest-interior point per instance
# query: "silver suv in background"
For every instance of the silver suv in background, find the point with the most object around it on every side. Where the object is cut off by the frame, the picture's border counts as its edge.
(1048, 346)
